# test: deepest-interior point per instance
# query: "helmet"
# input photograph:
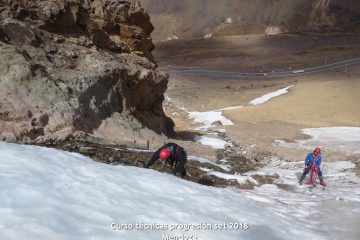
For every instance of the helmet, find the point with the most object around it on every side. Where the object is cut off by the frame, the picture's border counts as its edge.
(317, 150)
(164, 154)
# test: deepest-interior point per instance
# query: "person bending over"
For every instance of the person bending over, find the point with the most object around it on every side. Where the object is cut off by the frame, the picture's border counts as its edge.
(174, 155)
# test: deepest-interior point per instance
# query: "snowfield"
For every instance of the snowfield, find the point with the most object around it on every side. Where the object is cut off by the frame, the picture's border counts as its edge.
(336, 139)
(51, 194)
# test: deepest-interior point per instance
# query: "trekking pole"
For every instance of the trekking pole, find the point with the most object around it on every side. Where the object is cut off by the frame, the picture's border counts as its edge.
(336, 198)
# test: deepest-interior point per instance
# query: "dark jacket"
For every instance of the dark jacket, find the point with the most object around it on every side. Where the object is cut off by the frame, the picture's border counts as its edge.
(177, 159)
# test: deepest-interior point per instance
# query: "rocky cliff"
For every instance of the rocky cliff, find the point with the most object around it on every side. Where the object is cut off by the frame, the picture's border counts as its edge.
(334, 15)
(188, 18)
(77, 66)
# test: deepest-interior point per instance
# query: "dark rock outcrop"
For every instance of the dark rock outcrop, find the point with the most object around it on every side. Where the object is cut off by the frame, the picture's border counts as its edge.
(70, 65)
(334, 15)
(197, 172)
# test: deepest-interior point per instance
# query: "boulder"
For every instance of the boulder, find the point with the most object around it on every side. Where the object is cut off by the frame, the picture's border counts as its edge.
(66, 67)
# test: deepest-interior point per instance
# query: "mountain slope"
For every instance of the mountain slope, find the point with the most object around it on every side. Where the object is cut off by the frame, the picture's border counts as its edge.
(46, 193)
(187, 19)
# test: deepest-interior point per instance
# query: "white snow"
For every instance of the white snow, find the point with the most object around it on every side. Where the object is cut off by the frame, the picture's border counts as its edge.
(342, 165)
(139, 150)
(205, 169)
(225, 167)
(199, 159)
(228, 20)
(230, 108)
(175, 103)
(345, 134)
(267, 97)
(341, 181)
(212, 142)
(208, 118)
(239, 178)
(337, 139)
(171, 37)
(50, 194)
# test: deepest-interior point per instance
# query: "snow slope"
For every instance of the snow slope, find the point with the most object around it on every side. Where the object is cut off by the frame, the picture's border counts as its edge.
(50, 194)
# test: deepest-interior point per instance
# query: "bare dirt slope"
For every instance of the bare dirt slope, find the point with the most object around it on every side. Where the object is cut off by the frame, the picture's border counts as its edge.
(255, 53)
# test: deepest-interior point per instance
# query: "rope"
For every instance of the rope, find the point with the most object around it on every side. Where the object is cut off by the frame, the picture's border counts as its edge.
(336, 198)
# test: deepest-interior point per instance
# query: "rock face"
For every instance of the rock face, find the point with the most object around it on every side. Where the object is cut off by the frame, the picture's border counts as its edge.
(71, 66)
(188, 18)
(334, 15)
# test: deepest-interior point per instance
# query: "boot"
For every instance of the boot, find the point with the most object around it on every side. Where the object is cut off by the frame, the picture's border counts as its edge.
(302, 178)
(322, 182)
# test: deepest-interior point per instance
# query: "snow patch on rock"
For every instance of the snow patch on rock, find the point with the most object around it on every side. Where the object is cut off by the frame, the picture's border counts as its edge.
(212, 142)
(208, 118)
